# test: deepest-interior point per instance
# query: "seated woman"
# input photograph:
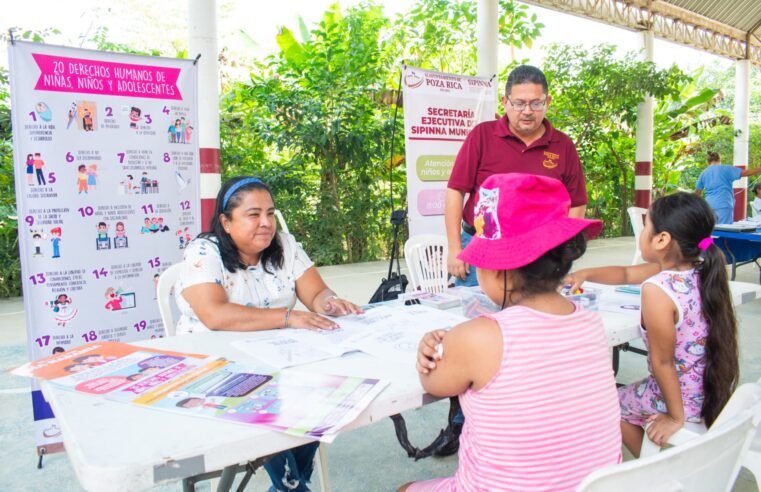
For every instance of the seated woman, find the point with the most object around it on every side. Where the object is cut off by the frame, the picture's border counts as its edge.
(534, 380)
(243, 275)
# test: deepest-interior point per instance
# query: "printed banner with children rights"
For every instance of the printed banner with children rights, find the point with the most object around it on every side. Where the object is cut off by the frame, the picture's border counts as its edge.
(107, 191)
(440, 109)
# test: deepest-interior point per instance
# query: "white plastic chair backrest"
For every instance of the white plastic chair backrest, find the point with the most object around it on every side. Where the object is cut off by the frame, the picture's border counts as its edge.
(637, 219)
(426, 258)
(281, 222)
(746, 397)
(709, 463)
(167, 279)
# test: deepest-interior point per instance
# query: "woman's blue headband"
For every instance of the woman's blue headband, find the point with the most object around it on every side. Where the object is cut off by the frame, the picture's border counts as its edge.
(238, 185)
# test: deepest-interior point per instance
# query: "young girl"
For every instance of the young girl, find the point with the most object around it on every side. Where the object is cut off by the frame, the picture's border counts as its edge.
(29, 169)
(534, 380)
(688, 322)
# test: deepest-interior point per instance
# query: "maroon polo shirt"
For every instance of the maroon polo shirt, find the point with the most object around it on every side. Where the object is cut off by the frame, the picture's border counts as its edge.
(491, 148)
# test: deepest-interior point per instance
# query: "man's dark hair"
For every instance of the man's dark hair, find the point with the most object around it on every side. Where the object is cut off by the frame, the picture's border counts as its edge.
(714, 157)
(525, 74)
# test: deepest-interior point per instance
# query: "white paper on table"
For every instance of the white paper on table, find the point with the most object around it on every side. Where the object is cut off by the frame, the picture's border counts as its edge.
(382, 331)
(280, 349)
(619, 302)
(397, 332)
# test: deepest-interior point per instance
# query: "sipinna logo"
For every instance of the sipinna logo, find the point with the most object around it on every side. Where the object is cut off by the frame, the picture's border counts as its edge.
(413, 80)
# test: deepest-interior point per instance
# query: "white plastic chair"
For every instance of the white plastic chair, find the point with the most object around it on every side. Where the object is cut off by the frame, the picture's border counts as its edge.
(709, 463)
(637, 219)
(746, 397)
(281, 221)
(164, 292)
(426, 258)
(167, 279)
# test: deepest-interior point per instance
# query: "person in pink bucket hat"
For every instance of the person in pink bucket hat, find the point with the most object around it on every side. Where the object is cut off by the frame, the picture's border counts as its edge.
(534, 380)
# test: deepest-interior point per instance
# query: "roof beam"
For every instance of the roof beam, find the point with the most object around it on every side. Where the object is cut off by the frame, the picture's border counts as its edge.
(667, 22)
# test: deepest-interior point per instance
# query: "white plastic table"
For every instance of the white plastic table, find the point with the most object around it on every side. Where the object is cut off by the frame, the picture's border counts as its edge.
(119, 447)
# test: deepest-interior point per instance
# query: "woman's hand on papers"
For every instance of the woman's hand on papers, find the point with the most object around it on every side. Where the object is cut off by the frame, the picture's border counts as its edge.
(310, 321)
(428, 351)
(335, 306)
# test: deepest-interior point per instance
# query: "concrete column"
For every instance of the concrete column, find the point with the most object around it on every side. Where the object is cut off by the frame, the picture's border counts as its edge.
(202, 39)
(486, 44)
(742, 135)
(643, 167)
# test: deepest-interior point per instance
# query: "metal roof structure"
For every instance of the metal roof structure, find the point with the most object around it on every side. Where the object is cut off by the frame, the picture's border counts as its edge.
(728, 28)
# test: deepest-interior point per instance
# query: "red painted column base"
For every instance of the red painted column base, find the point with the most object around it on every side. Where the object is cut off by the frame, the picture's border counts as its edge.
(210, 164)
(642, 198)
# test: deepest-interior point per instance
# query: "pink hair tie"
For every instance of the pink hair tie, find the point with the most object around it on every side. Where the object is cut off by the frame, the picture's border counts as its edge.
(705, 243)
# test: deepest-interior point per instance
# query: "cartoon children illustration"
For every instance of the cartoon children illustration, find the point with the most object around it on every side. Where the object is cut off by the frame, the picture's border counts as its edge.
(201, 403)
(154, 225)
(134, 117)
(92, 176)
(144, 183)
(120, 229)
(71, 115)
(188, 237)
(114, 299)
(87, 121)
(146, 226)
(183, 127)
(162, 227)
(30, 169)
(63, 311)
(181, 238)
(38, 164)
(178, 130)
(37, 239)
(128, 185)
(171, 134)
(103, 241)
(55, 239)
(188, 133)
(82, 178)
(102, 231)
(43, 111)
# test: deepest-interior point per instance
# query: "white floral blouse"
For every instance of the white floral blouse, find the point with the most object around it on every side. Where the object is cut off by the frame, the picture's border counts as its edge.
(250, 287)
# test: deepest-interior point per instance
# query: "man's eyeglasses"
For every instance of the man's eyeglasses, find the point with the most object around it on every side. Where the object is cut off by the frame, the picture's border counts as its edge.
(534, 105)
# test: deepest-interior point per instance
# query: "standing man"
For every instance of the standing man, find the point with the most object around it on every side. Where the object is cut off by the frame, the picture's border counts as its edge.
(717, 180)
(521, 141)
(38, 165)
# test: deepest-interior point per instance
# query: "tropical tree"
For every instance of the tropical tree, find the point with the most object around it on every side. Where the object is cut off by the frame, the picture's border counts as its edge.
(595, 98)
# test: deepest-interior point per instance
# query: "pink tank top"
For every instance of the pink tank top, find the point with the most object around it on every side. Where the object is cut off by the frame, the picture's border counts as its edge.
(550, 414)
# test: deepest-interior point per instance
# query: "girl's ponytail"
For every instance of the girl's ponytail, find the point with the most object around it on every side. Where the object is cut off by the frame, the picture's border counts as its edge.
(721, 352)
(690, 221)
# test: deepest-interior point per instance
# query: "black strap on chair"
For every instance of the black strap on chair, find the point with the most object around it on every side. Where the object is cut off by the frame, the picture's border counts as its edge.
(439, 446)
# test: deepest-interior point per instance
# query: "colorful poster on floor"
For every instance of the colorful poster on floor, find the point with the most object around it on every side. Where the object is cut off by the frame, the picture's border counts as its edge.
(297, 403)
(440, 109)
(107, 192)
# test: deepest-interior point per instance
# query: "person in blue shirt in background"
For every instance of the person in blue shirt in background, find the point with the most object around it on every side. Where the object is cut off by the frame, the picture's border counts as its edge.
(716, 180)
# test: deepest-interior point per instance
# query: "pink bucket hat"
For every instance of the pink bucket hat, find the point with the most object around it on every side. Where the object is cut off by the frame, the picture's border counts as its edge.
(518, 218)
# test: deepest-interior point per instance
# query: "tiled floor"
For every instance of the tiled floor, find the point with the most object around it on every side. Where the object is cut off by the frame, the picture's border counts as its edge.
(367, 459)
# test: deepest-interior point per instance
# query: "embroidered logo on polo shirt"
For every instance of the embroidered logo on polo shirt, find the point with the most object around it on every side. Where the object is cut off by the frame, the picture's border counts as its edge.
(551, 160)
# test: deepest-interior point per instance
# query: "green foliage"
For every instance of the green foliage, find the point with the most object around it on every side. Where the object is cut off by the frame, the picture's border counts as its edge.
(441, 34)
(595, 98)
(311, 123)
